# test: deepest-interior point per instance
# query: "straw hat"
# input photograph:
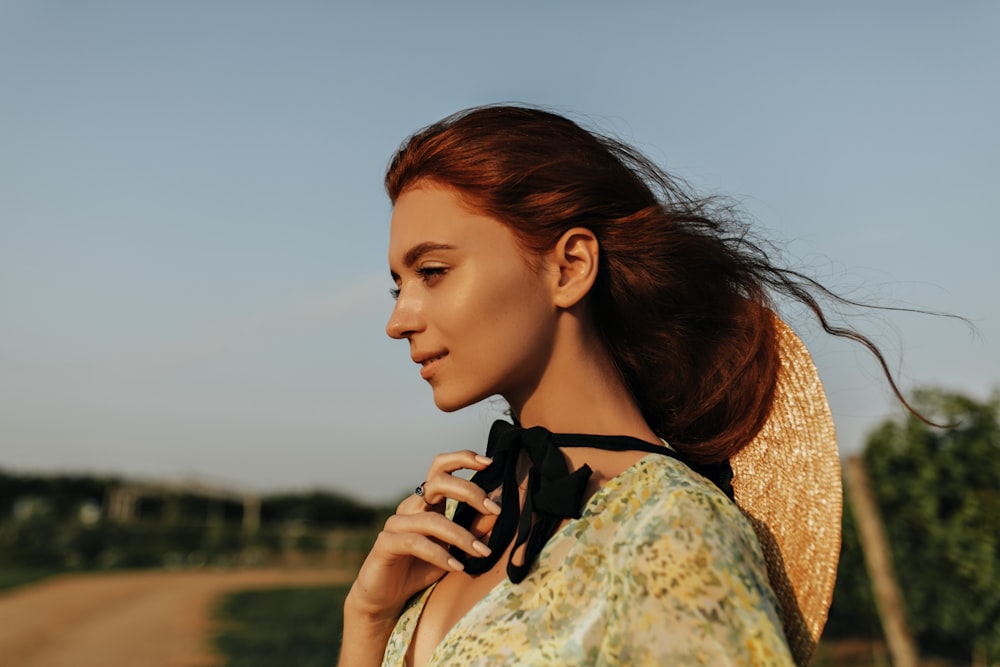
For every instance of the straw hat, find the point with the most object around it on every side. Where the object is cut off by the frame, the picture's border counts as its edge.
(788, 482)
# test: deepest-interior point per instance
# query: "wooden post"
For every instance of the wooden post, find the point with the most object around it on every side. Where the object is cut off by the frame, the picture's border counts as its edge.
(876, 549)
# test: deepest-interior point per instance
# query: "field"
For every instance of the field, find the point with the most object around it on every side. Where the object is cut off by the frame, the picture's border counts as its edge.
(152, 618)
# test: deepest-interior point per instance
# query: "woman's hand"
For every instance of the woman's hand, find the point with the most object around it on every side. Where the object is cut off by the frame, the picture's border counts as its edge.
(411, 552)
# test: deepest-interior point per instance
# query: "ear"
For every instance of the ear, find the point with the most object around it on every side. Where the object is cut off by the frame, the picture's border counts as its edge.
(574, 260)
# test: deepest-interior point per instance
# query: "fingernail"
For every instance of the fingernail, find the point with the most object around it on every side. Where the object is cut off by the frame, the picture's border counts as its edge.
(484, 459)
(481, 548)
(455, 565)
(491, 506)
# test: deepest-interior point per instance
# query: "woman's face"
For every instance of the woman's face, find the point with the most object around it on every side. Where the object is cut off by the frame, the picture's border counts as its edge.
(479, 320)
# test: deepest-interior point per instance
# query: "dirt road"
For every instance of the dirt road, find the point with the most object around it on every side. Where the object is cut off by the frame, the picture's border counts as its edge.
(148, 619)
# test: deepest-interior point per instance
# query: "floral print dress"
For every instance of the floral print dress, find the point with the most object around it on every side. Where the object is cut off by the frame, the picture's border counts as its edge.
(660, 569)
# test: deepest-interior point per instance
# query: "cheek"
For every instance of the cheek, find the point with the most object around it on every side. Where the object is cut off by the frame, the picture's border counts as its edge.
(519, 308)
(486, 302)
(521, 319)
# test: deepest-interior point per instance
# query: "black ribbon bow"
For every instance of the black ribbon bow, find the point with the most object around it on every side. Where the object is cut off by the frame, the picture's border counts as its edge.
(552, 493)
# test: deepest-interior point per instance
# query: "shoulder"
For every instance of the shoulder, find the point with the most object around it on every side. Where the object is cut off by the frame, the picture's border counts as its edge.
(685, 557)
(668, 518)
(661, 496)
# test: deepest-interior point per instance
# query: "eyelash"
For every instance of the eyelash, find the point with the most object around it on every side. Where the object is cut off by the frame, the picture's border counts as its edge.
(426, 274)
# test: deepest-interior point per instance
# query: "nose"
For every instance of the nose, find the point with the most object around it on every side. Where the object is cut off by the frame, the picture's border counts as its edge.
(405, 320)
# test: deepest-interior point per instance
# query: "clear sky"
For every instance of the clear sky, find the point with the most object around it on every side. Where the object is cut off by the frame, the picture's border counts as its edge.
(193, 276)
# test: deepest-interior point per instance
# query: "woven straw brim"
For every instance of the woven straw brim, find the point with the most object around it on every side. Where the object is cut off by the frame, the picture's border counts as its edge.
(788, 482)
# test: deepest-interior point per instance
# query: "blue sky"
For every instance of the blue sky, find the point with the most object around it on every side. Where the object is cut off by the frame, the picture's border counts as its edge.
(193, 278)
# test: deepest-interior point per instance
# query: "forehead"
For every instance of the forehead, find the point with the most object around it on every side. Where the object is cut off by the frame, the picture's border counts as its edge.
(435, 214)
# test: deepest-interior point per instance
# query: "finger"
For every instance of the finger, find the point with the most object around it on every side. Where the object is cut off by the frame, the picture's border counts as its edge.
(445, 465)
(482, 525)
(451, 462)
(418, 503)
(439, 488)
(416, 546)
(435, 527)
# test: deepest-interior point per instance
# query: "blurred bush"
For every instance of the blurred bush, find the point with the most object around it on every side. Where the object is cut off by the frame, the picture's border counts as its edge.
(61, 522)
(938, 491)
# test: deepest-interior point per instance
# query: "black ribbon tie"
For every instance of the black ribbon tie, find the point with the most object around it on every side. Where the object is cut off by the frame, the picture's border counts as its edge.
(552, 493)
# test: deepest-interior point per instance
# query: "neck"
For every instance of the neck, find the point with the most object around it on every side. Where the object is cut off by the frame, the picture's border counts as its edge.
(581, 392)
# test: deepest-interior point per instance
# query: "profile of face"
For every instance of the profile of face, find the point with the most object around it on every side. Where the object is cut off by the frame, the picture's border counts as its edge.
(479, 320)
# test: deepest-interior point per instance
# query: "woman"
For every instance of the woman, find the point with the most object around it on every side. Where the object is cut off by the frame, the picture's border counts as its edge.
(628, 326)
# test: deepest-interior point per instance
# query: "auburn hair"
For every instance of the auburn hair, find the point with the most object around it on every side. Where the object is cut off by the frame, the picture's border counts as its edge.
(682, 299)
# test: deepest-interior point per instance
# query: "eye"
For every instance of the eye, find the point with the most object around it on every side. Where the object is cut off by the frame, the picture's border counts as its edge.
(431, 274)
(427, 274)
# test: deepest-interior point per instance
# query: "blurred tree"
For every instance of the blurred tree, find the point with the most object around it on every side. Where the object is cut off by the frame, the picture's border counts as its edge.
(58, 522)
(319, 507)
(65, 493)
(939, 494)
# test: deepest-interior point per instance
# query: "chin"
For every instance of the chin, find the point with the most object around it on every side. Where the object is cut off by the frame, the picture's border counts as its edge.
(453, 402)
(446, 405)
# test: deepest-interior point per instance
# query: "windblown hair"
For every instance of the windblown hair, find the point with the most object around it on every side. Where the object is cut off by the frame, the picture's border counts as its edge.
(682, 300)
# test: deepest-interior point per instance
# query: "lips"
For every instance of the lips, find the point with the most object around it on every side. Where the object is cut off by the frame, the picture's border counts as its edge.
(427, 358)
(429, 363)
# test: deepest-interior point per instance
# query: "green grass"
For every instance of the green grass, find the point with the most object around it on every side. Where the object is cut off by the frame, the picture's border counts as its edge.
(287, 627)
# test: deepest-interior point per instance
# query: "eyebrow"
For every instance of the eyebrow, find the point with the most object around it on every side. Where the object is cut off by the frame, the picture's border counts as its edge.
(416, 252)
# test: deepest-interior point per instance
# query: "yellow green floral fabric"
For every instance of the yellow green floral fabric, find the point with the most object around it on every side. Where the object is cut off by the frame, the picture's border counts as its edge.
(660, 569)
